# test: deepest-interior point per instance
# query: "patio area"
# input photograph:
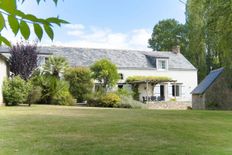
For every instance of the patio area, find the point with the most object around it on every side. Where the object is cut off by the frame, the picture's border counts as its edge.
(153, 88)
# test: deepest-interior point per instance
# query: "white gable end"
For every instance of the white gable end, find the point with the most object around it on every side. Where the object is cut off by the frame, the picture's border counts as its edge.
(3, 75)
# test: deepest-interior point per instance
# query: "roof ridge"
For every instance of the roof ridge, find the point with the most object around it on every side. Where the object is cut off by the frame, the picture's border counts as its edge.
(95, 48)
(208, 81)
(218, 69)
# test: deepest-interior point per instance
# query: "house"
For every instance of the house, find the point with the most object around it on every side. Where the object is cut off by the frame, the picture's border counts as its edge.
(3, 74)
(171, 64)
(214, 92)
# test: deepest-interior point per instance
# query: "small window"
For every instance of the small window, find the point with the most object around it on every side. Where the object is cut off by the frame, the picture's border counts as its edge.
(162, 64)
(176, 89)
(121, 76)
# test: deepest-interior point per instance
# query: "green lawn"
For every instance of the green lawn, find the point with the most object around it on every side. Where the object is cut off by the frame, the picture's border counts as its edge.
(72, 130)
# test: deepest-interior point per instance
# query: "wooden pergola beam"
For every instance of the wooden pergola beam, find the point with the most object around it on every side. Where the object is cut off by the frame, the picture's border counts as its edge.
(147, 82)
(150, 81)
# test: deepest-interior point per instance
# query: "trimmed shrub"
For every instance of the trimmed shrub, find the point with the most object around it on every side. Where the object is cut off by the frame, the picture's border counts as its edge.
(16, 91)
(104, 100)
(110, 100)
(173, 99)
(80, 81)
(129, 102)
(120, 99)
(64, 98)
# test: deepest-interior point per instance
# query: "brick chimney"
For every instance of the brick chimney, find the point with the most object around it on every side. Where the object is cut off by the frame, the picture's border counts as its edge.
(176, 49)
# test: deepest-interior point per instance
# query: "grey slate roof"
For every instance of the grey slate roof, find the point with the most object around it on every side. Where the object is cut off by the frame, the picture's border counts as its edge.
(208, 81)
(122, 58)
(5, 51)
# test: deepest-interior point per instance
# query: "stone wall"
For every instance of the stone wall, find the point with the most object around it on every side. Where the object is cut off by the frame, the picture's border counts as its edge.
(198, 101)
(170, 105)
(219, 94)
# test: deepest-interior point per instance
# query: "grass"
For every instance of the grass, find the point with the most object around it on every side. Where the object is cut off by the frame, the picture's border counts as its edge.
(72, 130)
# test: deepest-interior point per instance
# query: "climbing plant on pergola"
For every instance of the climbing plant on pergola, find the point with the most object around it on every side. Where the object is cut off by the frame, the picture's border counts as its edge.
(153, 80)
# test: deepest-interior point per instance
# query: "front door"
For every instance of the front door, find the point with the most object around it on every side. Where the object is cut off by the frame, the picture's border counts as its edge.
(162, 93)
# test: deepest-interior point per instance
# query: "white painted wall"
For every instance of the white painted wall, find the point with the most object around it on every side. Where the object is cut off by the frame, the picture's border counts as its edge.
(188, 78)
(3, 75)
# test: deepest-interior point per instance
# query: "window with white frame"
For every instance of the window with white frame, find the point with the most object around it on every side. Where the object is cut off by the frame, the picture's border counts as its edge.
(162, 64)
(176, 90)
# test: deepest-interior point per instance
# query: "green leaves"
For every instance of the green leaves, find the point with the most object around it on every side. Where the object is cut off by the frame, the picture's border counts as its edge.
(38, 1)
(2, 22)
(14, 25)
(30, 17)
(5, 41)
(56, 21)
(24, 29)
(49, 31)
(19, 21)
(8, 6)
(105, 72)
(38, 31)
(55, 1)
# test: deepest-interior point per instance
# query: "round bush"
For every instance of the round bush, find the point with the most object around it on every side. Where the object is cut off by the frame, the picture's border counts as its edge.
(16, 91)
(110, 100)
(104, 100)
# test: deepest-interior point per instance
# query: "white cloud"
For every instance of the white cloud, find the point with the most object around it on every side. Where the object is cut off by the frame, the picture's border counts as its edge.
(139, 38)
(78, 35)
(95, 37)
(75, 29)
(75, 26)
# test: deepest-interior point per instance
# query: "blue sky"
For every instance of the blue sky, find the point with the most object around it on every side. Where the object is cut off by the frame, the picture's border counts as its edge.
(123, 24)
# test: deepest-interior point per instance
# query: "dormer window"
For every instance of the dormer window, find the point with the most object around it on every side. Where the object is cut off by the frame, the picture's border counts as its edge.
(162, 64)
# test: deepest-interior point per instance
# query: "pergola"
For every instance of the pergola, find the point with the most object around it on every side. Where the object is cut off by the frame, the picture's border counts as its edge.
(152, 80)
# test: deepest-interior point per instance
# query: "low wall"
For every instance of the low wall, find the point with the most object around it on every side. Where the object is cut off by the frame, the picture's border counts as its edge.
(169, 105)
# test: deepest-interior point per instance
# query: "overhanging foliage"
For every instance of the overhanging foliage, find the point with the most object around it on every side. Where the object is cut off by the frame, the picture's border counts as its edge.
(20, 21)
(153, 79)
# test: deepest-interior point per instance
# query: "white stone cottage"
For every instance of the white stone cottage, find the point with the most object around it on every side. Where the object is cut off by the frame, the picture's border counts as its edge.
(170, 64)
(3, 74)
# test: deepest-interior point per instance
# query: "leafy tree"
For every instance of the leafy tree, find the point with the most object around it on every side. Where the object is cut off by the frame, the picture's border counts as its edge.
(105, 72)
(23, 59)
(197, 47)
(20, 21)
(80, 81)
(209, 32)
(166, 34)
(55, 66)
(218, 25)
(55, 90)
